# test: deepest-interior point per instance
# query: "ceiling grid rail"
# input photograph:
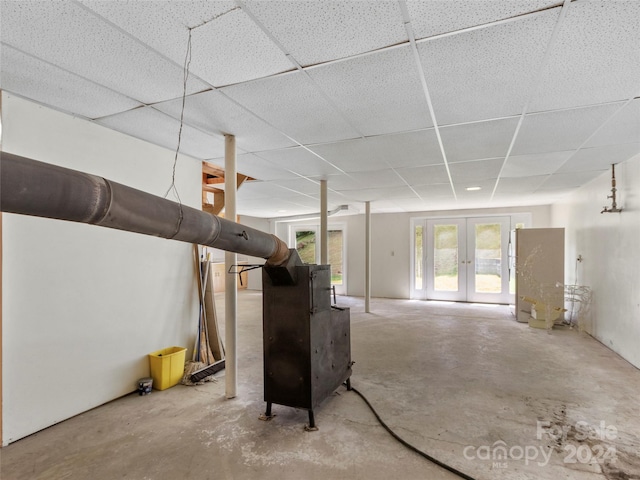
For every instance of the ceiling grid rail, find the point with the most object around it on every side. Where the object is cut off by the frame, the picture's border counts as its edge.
(593, 134)
(297, 65)
(534, 87)
(423, 80)
(79, 4)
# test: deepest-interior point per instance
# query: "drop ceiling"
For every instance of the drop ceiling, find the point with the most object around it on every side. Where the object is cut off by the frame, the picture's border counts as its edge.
(404, 104)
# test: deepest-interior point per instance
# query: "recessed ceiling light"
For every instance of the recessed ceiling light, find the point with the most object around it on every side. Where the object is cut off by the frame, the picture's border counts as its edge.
(473, 189)
(281, 211)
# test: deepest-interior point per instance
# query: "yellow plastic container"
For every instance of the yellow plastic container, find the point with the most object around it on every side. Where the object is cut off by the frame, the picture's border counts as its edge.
(167, 367)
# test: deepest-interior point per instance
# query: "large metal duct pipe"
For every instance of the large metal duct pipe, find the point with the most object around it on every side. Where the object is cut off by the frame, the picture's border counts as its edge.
(29, 187)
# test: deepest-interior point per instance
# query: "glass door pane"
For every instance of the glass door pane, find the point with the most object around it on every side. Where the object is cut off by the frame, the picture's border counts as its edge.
(487, 262)
(445, 263)
(488, 254)
(445, 258)
(418, 280)
(306, 245)
(335, 256)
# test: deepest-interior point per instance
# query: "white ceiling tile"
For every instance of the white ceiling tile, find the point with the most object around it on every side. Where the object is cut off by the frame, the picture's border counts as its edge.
(274, 207)
(300, 161)
(600, 158)
(379, 178)
(476, 170)
(478, 140)
(438, 190)
(261, 190)
(486, 188)
(596, 57)
(40, 81)
(535, 164)
(304, 202)
(379, 93)
(433, 18)
(537, 198)
(299, 185)
(427, 175)
(227, 36)
(474, 196)
(560, 130)
(485, 73)
(315, 32)
(559, 181)
(379, 152)
(153, 126)
(234, 49)
(520, 185)
(340, 182)
(624, 127)
(213, 112)
(261, 169)
(293, 105)
(67, 35)
(374, 194)
(352, 155)
(161, 24)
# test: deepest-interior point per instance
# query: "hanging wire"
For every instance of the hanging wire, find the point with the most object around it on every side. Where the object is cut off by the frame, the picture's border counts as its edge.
(172, 187)
(185, 69)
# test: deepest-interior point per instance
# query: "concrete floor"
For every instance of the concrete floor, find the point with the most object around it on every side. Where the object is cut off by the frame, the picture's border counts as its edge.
(458, 381)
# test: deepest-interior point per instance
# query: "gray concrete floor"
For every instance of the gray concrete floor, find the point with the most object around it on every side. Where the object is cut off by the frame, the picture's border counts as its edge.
(461, 382)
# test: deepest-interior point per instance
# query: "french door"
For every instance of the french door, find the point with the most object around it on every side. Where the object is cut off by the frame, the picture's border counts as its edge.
(461, 259)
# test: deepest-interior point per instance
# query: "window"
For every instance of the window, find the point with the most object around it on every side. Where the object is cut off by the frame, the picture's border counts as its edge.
(307, 242)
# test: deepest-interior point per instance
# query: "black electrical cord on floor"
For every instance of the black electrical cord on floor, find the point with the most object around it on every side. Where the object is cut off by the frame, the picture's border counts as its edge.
(408, 445)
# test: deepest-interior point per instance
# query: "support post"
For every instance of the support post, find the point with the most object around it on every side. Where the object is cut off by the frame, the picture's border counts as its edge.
(367, 258)
(324, 233)
(230, 259)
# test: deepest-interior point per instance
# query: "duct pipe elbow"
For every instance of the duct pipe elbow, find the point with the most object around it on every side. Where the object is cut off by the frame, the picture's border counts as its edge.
(280, 255)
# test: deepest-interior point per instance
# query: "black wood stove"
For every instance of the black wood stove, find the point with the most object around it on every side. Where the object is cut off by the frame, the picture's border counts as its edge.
(307, 342)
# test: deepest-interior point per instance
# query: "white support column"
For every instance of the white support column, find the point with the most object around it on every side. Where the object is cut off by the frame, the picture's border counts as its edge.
(324, 215)
(231, 280)
(367, 258)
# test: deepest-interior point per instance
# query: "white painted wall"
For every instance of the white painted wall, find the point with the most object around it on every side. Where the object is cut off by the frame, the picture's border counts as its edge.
(84, 305)
(609, 244)
(391, 247)
(391, 244)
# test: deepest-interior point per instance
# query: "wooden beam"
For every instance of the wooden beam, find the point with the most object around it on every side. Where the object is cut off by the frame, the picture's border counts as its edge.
(218, 202)
(209, 188)
(214, 180)
(241, 179)
(208, 183)
(212, 170)
(205, 200)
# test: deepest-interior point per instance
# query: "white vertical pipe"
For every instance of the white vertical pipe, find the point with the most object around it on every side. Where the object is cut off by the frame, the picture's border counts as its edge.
(367, 258)
(324, 232)
(231, 280)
